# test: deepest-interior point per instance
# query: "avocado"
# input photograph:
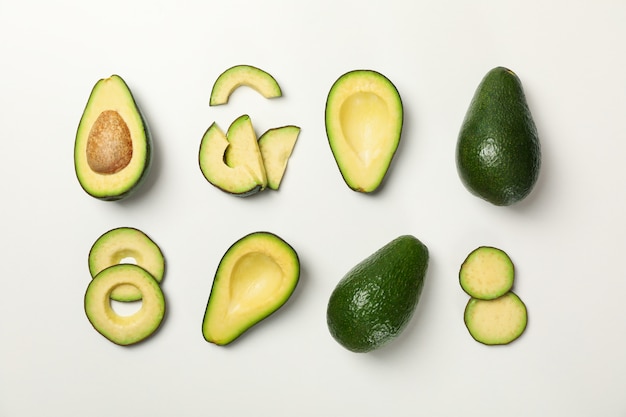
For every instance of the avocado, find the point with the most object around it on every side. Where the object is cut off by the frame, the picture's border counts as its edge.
(276, 146)
(487, 273)
(364, 118)
(498, 153)
(124, 245)
(232, 162)
(496, 322)
(124, 330)
(243, 75)
(254, 278)
(372, 304)
(113, 145)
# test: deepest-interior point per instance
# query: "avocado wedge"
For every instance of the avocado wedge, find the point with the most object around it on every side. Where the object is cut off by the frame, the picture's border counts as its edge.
(243, 75)
(124, 330)
(124, 245)
(276, 146)
(113, 146)
(254, 278)
(364, 118)
(232, 162)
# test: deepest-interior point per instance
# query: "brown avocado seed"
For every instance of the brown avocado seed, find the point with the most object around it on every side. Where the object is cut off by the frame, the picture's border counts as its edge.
(109, 146)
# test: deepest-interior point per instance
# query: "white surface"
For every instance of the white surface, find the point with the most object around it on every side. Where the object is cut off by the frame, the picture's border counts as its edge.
(567, 238)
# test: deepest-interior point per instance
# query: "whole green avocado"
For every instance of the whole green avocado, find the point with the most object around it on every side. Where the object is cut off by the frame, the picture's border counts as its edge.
(375, 300)
(498, 154)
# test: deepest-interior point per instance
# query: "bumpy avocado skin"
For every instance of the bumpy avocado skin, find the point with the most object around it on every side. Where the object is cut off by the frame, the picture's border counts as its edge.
(374, 301)
(498, 153)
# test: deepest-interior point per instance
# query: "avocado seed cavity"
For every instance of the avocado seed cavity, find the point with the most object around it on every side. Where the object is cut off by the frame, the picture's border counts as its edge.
(109, 146)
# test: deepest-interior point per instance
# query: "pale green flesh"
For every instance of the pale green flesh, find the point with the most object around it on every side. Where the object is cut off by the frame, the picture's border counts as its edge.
(496, 322)
(243, 75)
(487, 273)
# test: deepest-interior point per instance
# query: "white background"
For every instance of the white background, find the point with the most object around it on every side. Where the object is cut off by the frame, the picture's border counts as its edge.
(567, 239)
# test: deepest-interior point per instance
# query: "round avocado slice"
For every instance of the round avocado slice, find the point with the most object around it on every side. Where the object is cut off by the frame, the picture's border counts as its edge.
(113, 146)
(364, 117)
(496, 322)
(119, 245)
(124, 330)
(487, 273)
(254, 278)
(243, 75)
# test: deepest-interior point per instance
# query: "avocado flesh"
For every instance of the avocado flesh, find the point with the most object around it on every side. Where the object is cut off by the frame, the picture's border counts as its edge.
(113, 145)
(496, 322)
(498, 153)
(232, 162)
(243, 75)
(364, 118)
(487, 273)
(276, 146)
(255, 277)
(124, 330)
(372, 304)
(120, 245)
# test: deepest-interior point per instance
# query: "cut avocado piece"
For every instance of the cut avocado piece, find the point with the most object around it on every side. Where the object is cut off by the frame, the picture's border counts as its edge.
(364, 117)
(126, 245)
(498, 154)
(487, 273)
(113, 146)
(124, 330)
(255, 277)
(373, 303)
(276, 146)
(496, 322)
(243, 75)
(232, 162)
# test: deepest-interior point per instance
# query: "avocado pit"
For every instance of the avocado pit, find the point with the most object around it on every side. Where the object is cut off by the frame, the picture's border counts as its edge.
(109, 145)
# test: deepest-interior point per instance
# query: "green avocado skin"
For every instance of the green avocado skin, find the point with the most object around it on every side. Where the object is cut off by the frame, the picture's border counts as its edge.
(498, 154)
(374, 301)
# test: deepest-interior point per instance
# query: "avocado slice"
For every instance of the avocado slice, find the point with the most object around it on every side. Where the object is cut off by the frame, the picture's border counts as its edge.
(121, 245)
(498, 153)
(276, 146)
(496, 322)
(113, 145)
(364, 117)
(232, 162)
(243, 75)
(487, 273)
(255, 277)
(124, 330)
(373, 303)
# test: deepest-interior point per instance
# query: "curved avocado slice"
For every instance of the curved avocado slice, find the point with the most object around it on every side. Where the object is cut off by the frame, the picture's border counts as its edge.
(373, 303)
(364, 117)
(498, 154)
(233, 161)
(113, 146)
(124, 330)
(487, 273)
(241, 75)
(119, 245)
(255, 277)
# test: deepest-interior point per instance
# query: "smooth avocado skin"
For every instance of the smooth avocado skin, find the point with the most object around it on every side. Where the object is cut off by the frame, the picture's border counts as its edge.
(498, 153)
(113, 144)
(372, 304)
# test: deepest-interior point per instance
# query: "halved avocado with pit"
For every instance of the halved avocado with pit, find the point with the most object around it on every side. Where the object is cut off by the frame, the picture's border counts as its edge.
(254, 278)
(243, 75)
(232, 162)
(124, 330)
(126, 245)
(113, 146)
(364, 118)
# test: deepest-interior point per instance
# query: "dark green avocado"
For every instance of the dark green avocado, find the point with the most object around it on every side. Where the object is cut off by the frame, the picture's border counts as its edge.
(498, 153)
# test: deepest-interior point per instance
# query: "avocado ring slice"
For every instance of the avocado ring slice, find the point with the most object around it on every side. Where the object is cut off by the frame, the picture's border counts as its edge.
(487, 273)
(124, 330)
(119, 244)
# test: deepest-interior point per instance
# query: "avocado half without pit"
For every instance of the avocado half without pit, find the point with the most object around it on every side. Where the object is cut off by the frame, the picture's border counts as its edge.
(113, 146)
(364, 117)
(119, 329)
(126, 245)
(254, 278)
